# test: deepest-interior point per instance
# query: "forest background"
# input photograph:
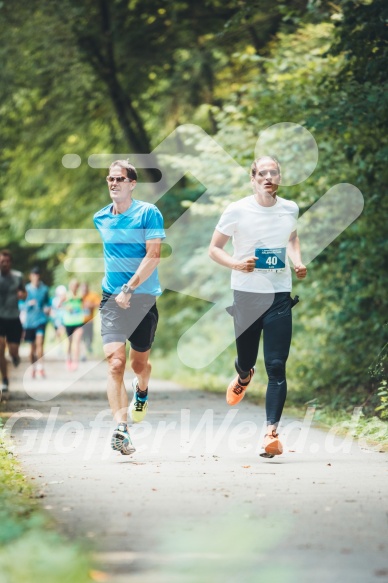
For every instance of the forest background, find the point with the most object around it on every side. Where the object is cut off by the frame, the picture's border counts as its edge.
(97, 76)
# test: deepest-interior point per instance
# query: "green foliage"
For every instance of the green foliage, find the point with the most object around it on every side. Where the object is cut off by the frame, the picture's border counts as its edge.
(176, 314)
(378, 372)
(361, 35)
(341, 317)
(382, 394)
(87, 77)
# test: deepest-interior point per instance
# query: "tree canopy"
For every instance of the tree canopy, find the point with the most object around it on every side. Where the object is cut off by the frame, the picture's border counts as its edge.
(87, 77)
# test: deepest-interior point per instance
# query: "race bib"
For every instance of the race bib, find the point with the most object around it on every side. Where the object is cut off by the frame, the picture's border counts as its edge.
(270, 259)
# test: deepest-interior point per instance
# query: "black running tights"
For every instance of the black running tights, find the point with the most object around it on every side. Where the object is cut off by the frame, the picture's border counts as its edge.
(276, 325)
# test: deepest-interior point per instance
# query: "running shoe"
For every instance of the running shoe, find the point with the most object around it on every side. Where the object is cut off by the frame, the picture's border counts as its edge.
(272, 445)
(127, 447)
(139, 405)
(236, 391)
(121, 440)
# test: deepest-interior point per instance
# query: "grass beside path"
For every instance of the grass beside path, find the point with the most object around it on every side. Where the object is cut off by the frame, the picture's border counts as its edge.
(30, 549)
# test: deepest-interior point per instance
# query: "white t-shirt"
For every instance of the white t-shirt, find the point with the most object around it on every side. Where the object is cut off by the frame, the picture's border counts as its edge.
(252, 227)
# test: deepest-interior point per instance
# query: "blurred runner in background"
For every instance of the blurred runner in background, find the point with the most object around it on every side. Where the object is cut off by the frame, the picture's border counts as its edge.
(57, 310)
(90, 301)
(36, 308)
(11, 291)
(73, 320)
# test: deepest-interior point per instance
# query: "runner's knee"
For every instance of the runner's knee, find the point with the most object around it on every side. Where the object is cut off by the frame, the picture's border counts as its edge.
(139, 366)
(276, 369)
(116, 365)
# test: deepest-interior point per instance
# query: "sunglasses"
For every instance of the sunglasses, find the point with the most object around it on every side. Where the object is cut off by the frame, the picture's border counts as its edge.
(263, 173)
(117, 179)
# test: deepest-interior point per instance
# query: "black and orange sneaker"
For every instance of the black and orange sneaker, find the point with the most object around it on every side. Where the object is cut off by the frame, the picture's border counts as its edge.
(272, 445)
(236, 390)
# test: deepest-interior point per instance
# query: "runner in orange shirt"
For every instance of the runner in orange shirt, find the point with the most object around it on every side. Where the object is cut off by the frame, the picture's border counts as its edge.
(90, 301)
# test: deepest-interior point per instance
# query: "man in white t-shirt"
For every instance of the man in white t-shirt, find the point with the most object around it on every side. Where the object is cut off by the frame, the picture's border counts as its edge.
(263, 231)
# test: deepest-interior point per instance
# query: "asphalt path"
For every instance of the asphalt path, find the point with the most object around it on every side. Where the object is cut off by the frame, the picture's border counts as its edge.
(196, 502)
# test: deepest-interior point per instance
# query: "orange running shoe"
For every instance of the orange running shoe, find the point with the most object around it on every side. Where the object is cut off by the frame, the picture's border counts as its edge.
(272, 445)
(236, 391)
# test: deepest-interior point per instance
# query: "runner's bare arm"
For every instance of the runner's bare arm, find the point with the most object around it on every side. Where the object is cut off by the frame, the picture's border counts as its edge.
(219, 255)
(293, 252)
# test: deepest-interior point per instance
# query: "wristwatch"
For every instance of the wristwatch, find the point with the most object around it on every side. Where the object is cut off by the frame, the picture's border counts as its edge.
(127, 289)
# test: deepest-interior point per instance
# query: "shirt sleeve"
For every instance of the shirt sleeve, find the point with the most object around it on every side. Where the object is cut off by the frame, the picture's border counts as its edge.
(46, 301)
(21, 286)
(228, 221)
(154, 228)
(296, 216)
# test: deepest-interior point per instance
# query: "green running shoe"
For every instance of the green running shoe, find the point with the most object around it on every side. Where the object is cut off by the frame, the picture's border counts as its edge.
(121, 440)
(138, 406)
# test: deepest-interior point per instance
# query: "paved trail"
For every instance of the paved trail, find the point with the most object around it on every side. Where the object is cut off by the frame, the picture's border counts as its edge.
(196, 502)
